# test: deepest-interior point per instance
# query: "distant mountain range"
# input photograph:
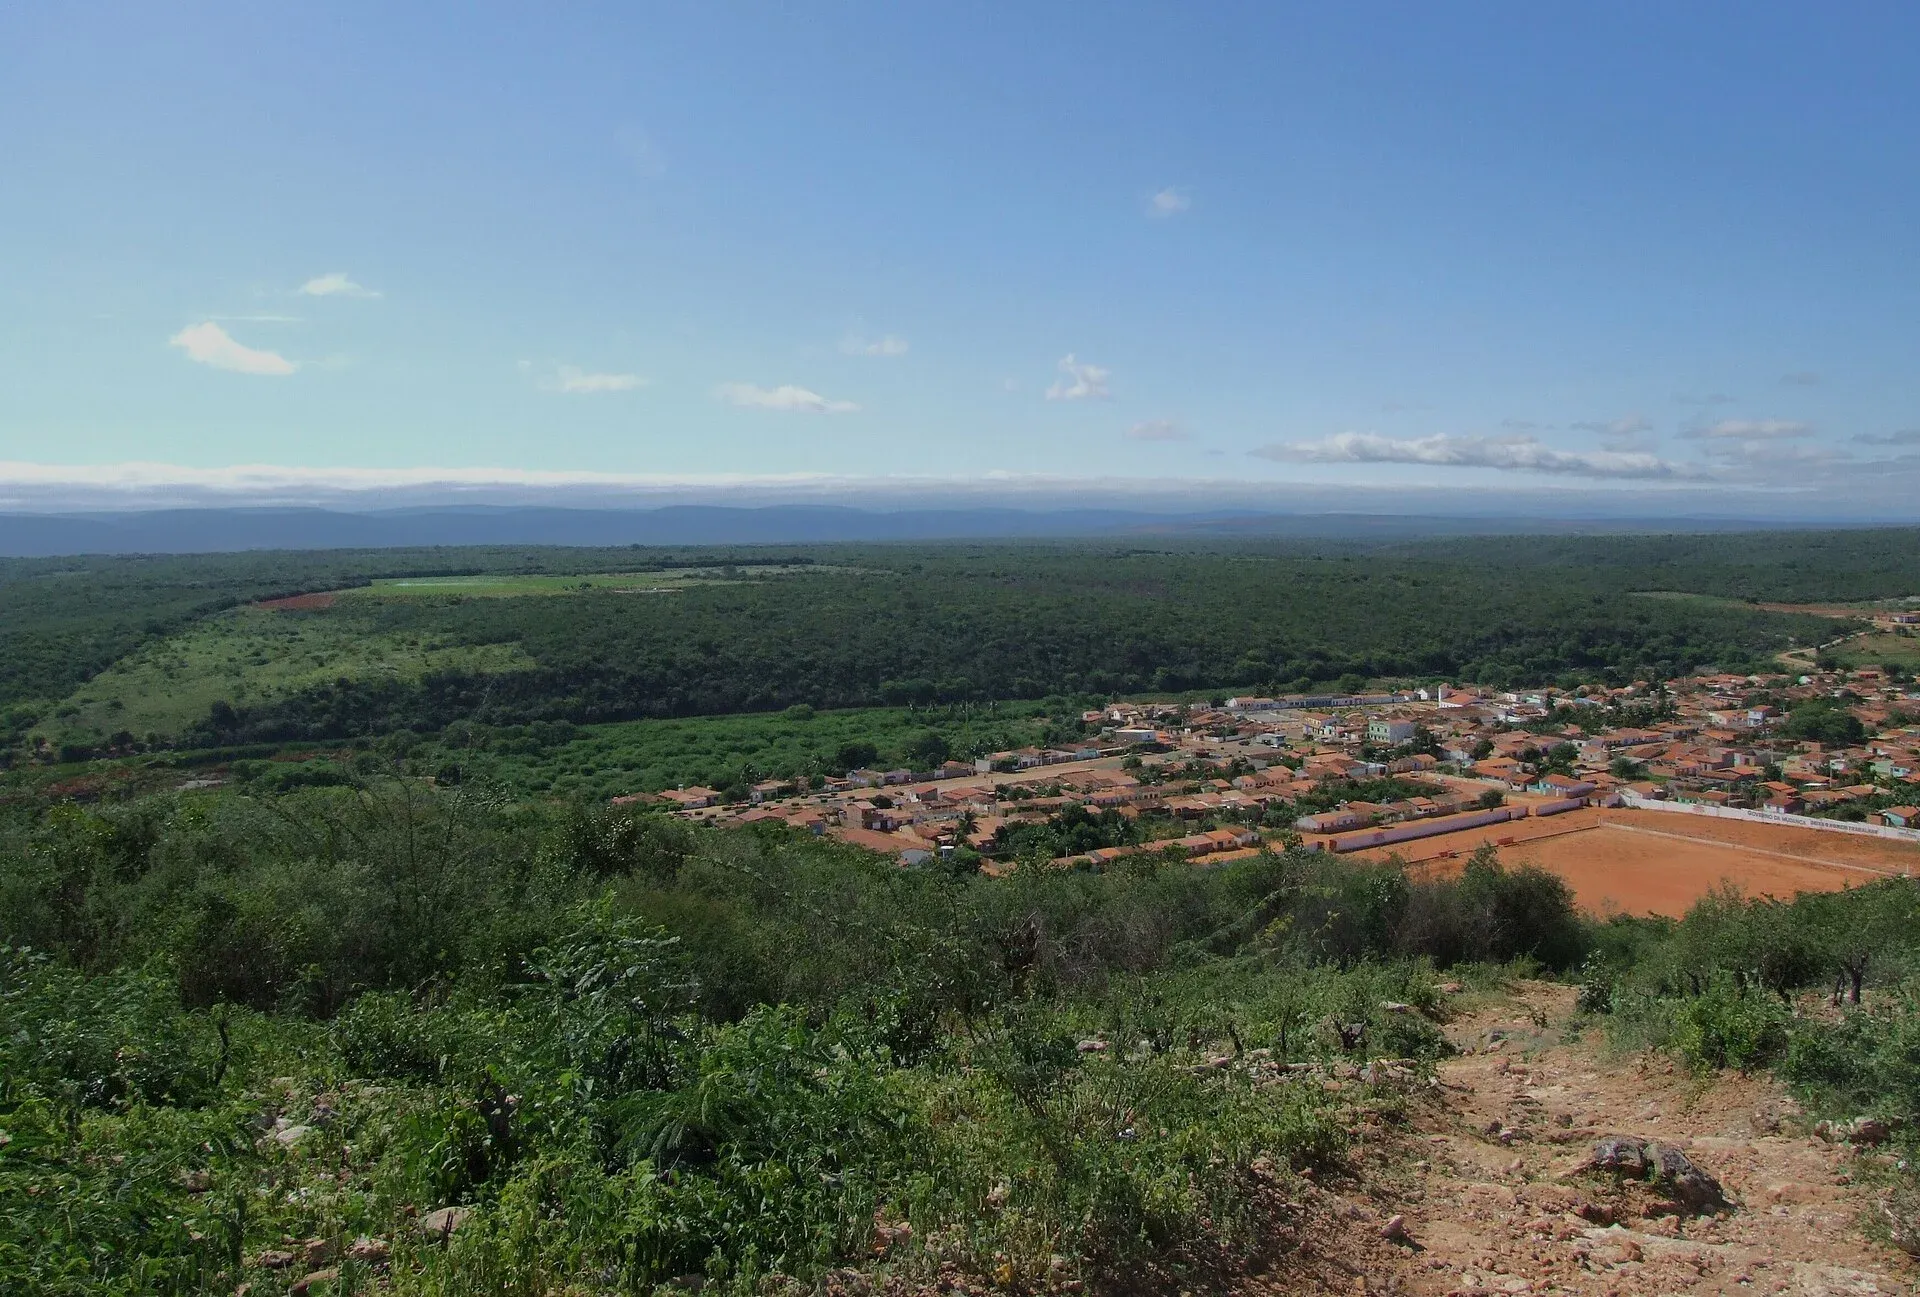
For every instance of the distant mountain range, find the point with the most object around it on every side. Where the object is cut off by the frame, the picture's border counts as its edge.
(193, 531)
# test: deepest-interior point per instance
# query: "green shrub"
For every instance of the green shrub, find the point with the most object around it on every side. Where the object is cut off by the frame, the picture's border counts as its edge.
(1866, 1061)
(1727, 1028)
(103, 1042)
(1598, 985)
(389, 1035)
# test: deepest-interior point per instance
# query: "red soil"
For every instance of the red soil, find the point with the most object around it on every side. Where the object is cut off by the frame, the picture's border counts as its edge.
(297, 603)
(1661, 862)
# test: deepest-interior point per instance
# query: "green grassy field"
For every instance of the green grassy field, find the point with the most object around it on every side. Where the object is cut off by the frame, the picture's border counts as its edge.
(1882, 650)
(246, 655)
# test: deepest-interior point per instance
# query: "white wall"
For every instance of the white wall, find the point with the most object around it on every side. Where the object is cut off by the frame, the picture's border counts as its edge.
(1773, 817)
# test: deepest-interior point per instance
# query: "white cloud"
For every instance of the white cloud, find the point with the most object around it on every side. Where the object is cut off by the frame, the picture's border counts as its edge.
(209, 344)
(1776, 454)
(1168, 202)
(784, 397)
(1079, 382)
(574, 380)
(335, 285)
(1904, 437)
(1751, 430)
(1508, 454)
(853, 345)
(1158, 430)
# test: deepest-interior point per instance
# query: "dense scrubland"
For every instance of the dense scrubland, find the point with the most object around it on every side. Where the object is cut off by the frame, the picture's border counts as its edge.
(117, 652)
(642, 1051)
(241, 1035)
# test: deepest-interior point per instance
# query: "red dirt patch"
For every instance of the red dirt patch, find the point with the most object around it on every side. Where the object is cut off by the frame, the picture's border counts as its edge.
(1618, 868)
(297, 603)
(1659, 862)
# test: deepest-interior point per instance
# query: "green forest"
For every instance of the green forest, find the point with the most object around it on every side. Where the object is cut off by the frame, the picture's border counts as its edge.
(112, 653)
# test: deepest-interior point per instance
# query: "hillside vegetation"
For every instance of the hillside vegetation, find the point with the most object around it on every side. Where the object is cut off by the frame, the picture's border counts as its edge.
(636, 1051)
(256, 1039)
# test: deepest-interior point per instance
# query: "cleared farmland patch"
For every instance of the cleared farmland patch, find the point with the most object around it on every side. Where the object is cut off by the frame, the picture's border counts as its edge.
(253, 654)
(1884, 649)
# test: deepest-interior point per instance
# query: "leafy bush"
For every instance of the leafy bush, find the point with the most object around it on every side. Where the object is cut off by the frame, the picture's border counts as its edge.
(104, 1042)
(1724, 1027)
(1598, 985)
(1866, 1061)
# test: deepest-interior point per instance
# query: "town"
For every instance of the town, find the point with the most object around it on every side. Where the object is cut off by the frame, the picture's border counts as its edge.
(1215, 781)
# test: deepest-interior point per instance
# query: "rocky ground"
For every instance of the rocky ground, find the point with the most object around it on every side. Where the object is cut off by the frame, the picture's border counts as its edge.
(1493, 1190)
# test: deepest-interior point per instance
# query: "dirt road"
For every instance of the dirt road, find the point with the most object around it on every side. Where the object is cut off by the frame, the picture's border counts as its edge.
(1488, 1184)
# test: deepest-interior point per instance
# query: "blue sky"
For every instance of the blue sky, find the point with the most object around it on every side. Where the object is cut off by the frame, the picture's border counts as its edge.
(1661, 250)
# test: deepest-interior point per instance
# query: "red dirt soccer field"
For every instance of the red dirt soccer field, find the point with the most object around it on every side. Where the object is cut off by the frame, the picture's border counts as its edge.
(1659, 862)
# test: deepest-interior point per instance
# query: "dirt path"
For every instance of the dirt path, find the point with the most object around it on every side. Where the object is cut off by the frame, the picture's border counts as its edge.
(1489, 1186)
(1802, 658)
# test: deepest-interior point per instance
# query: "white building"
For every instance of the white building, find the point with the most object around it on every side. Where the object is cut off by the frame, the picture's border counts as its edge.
(1382, 730)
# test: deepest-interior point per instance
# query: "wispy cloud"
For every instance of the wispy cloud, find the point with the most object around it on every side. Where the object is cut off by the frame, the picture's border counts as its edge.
(1903, 437)
(1751, 430)
(335, 284)
(209, 344)
(1521, 454)
(1763, 455)
(1079, 382)
(1158, 430)
(1801, 378)
(854, 345)
(1168, 202)
(785, 397)
(1626, 426)
(576, 381)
